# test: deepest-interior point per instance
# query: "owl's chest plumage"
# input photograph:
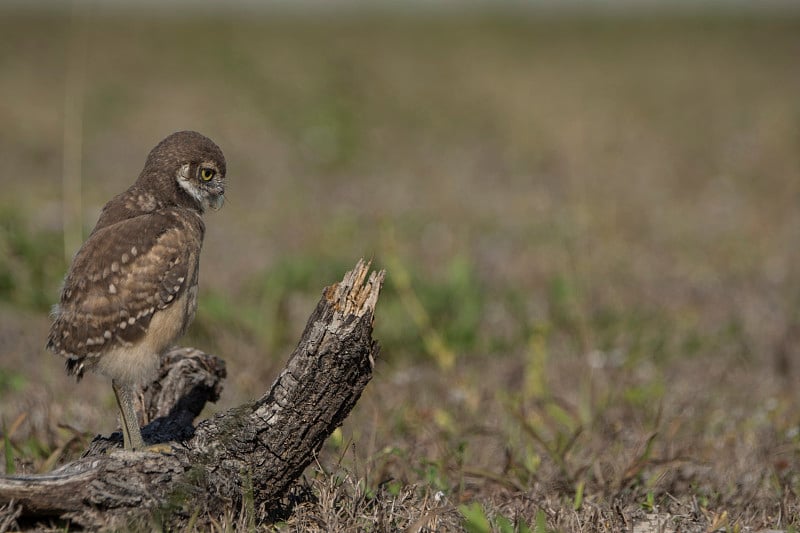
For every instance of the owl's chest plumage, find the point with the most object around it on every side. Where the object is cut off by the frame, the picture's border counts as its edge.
(131, 290)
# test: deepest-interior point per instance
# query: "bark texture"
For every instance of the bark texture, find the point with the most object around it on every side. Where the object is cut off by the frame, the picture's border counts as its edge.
(251, 453)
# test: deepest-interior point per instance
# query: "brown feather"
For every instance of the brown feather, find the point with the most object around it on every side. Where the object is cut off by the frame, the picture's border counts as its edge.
(140, 262)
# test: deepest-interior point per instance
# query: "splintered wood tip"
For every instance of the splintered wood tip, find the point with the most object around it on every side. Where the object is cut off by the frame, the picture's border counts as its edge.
(356, 294)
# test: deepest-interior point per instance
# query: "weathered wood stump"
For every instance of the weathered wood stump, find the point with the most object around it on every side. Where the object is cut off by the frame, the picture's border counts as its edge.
(253, 453)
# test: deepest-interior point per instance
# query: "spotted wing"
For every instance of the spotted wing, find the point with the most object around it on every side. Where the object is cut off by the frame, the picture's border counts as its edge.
(124, 274)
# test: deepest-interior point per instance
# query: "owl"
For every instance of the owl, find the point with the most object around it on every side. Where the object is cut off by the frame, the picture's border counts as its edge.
(131, 290)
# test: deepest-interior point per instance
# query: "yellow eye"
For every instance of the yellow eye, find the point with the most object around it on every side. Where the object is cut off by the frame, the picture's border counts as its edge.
(207, 173)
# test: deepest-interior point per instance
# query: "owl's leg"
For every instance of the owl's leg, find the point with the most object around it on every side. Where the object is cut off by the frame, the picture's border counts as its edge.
(131, 434)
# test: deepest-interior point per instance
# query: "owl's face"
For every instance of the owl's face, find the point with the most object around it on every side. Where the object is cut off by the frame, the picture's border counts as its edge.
(204, 181)
(188, 169)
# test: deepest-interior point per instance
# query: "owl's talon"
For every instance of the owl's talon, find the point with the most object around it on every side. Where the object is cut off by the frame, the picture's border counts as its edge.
(163, 448)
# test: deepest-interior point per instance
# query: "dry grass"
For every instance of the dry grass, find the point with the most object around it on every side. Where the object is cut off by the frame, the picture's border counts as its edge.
(590, 319)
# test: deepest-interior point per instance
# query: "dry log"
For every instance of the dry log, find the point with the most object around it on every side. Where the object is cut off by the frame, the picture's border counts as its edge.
(252, 453)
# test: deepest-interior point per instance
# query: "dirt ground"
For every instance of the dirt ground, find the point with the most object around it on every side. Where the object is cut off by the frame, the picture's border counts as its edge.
(589, 224)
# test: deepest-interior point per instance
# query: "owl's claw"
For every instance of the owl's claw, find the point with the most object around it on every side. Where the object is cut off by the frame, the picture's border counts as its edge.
(162, 448)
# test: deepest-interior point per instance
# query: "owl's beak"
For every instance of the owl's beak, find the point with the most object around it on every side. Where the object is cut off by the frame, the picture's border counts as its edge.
(217, 201)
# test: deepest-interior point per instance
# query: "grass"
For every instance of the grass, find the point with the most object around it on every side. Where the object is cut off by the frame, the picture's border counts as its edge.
(590, 315)
(30, 269)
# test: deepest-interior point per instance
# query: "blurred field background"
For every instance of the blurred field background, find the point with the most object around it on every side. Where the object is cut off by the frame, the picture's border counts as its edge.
(589, 222)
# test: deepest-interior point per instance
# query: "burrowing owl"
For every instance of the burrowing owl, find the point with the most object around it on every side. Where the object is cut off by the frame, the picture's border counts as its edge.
(131, 290)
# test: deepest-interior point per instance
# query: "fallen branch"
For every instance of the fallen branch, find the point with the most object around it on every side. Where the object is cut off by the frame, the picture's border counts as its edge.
(252, 453)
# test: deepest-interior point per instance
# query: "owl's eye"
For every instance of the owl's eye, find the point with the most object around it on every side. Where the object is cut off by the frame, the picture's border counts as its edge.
(207, 173)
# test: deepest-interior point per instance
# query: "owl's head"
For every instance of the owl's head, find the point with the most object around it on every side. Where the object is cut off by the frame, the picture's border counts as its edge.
(190, 167)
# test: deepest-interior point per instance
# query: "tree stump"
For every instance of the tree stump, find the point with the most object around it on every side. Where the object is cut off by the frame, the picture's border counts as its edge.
(252, 453)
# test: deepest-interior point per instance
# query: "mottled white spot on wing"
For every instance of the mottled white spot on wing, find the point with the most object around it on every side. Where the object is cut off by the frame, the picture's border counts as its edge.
(112, 288)
(146, 202)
